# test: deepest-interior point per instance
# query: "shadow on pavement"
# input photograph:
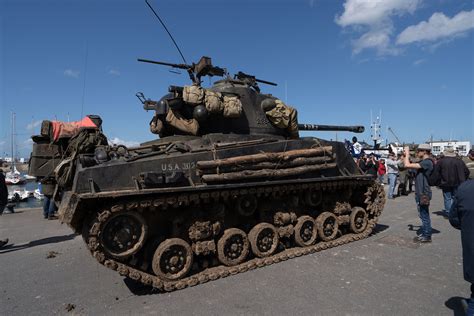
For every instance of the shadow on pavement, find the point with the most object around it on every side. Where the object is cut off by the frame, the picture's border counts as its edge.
(454, 304)
(440, 213)
(138, 288)
(417, 228)
(39, 242)
(379, 228)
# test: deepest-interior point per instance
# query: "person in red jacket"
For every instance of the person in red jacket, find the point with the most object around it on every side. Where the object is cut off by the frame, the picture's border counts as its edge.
(382, 170)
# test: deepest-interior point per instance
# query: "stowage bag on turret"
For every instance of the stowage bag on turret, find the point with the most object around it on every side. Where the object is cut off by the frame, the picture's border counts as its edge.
(193, 94)
(213, 101)
(232, 107)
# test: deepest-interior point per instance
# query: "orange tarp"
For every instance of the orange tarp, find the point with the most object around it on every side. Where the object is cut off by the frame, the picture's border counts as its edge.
(63, 129)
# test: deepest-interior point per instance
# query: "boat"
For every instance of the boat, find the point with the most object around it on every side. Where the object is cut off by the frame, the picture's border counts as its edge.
(19, 195)
(13, 176)
(23, 194)
(38, 195)
(13, 197)
(28, 177)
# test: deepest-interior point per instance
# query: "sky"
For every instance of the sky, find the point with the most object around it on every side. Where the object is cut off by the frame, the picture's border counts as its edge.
(336, 61)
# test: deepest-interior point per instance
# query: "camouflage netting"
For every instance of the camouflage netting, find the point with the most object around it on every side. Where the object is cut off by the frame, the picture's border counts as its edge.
(84, 142)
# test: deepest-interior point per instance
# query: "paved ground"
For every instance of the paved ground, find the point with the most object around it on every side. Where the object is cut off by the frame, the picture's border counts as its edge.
(384, 274)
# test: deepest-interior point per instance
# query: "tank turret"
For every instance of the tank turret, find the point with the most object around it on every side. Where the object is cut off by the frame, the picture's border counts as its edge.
(231, 105)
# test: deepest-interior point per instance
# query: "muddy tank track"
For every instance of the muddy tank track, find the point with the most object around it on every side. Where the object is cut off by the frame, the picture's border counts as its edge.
(374, 201)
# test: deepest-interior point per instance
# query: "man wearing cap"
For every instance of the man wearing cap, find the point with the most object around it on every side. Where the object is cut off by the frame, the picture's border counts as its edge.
(422, 188)
(448, 174)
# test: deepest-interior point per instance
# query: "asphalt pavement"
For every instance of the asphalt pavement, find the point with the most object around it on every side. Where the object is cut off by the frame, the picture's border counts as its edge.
(47, 270)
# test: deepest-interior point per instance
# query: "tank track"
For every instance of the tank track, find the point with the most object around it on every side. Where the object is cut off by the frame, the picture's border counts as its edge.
(374, 199)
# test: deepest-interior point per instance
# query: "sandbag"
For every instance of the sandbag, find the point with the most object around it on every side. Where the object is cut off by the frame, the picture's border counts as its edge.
(232, 107)
(176, 120)
(285, 117)
(213, 101)
(193, 94)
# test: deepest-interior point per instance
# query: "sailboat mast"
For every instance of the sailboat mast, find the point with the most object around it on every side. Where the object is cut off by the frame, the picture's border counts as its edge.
(12, 166)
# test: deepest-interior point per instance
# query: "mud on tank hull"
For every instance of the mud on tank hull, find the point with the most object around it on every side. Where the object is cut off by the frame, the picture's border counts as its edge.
(207, 208)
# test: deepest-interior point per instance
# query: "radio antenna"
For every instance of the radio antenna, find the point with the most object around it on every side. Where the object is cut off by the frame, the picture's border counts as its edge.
(166, 29)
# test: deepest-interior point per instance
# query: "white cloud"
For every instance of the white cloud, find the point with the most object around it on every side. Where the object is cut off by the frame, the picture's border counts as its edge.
(419, 62)
(118, 141)
(376, 39)
(114, 72)
(372, 12)
(71, 73)
(374, 18)
(438, 27)
(33, 125)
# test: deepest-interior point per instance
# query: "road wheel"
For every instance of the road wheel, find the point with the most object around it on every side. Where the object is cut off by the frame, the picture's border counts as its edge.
(358, 220)
(327, 226)
(123, 234)
(233, 247)
(263, 239)
(172, 259)
(305, 231)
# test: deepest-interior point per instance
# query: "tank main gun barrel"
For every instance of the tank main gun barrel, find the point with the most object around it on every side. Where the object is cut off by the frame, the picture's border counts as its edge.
(314, 127)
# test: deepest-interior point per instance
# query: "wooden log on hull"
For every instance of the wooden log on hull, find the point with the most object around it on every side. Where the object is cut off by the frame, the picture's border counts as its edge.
(261, 157)
(265, 173)
(269, 165)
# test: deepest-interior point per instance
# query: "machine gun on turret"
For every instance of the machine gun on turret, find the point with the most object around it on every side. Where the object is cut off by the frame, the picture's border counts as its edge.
(203, 68)
(252, 81)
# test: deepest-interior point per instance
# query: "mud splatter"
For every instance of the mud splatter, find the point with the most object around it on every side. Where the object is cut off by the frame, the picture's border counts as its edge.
(70, 307)
(52, 254)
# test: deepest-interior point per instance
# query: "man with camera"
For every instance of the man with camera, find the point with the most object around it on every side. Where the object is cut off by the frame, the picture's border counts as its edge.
(423, 169)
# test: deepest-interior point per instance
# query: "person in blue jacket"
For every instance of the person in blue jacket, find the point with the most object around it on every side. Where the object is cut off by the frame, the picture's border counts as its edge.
(461, 216)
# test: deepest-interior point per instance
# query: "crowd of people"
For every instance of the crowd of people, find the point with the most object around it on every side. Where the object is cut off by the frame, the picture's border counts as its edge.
(391, 171)
(449, 172)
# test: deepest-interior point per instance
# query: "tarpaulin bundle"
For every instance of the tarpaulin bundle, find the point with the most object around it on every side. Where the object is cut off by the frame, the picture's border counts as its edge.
(56, 130)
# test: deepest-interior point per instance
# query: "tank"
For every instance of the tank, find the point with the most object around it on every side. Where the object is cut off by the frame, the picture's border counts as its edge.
(229, 186)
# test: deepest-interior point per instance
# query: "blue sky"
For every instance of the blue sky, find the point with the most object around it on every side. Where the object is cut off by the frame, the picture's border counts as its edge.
(411, 59)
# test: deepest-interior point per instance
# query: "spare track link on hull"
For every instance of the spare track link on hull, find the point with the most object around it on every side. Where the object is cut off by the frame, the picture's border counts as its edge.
(374, 199)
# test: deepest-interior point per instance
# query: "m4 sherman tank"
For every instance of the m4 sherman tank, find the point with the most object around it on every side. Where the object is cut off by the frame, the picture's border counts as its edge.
(228, 187)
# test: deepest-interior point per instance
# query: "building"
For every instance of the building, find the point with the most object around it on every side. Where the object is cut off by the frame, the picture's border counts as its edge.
(461, 147)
